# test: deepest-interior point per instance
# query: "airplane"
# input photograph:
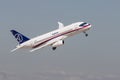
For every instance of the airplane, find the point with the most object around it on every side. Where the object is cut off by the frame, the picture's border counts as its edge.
(54, 38)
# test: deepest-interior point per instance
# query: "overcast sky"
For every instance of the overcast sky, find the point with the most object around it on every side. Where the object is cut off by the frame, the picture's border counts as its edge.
(96, 57)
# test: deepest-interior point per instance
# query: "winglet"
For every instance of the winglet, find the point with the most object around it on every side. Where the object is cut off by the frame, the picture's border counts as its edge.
(61, 25)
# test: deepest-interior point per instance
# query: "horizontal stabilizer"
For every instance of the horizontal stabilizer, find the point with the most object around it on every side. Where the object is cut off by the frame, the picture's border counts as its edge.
(14, 50)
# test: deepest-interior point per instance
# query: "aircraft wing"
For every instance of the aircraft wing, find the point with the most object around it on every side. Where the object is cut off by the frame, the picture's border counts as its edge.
(49, 43)
(38, 47)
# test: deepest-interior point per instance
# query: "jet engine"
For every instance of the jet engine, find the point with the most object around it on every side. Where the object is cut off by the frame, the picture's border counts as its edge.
(58, 43)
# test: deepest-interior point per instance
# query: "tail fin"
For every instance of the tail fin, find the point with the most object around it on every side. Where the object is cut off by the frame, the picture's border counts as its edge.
(19, 37)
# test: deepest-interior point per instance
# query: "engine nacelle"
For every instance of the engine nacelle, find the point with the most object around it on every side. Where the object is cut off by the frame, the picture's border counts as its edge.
(58, 43)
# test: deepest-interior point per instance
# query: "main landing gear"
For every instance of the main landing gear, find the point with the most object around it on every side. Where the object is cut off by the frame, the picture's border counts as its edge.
(85, 34)
(54, 48)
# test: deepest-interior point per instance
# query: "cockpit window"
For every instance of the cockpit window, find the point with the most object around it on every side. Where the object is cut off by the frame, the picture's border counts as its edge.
(83, 24)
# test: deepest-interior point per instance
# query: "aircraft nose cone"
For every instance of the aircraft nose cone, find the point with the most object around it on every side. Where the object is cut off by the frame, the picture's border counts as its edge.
(90, 25)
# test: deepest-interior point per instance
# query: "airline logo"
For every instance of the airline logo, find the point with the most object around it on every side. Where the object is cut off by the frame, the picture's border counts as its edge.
(19, 37)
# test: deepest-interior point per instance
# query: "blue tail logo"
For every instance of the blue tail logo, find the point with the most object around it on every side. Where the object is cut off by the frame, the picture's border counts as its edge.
(19, 37)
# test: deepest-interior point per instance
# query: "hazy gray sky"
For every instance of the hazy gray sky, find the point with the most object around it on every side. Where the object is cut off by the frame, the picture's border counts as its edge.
(96, 57)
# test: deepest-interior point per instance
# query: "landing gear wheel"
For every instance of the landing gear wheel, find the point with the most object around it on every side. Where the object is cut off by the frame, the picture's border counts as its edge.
(54, 48)
(86, 35)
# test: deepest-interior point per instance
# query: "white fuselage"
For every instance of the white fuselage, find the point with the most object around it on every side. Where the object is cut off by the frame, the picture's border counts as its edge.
(54, 36)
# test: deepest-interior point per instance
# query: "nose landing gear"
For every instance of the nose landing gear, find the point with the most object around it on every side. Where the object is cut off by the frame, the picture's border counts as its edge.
(85, 34)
